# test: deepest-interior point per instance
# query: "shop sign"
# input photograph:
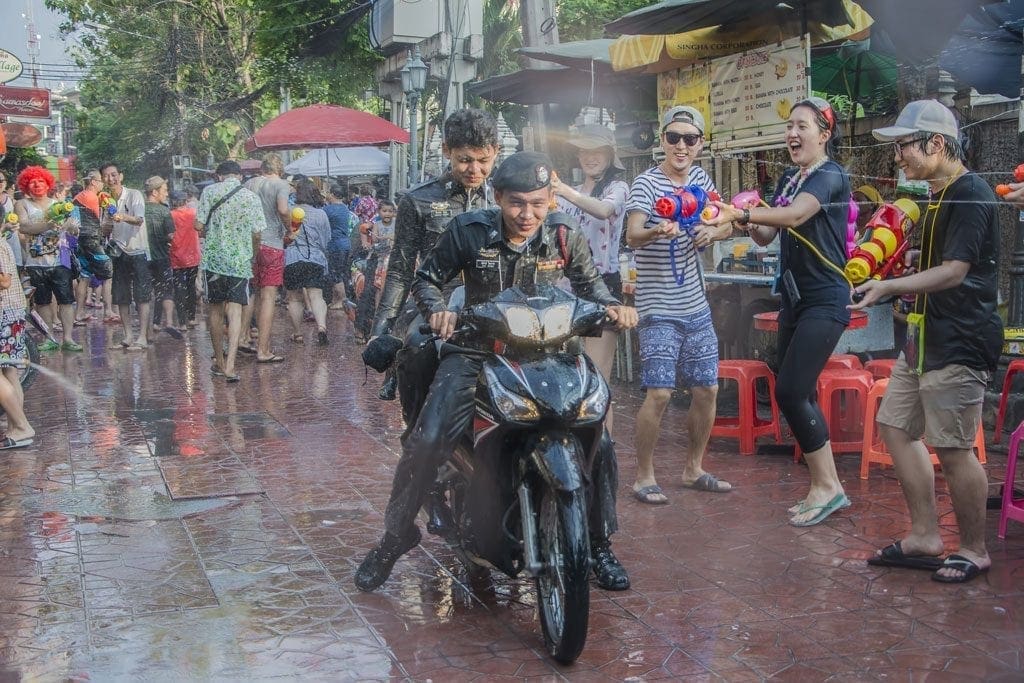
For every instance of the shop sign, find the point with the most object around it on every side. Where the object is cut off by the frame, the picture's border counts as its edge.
(31, 102)
(10, 66)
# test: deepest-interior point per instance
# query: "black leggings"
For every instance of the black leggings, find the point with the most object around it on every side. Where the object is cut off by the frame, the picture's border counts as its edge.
(804, 348)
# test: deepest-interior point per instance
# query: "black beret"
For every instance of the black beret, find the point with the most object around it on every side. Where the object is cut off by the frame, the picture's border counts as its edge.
(523, 172)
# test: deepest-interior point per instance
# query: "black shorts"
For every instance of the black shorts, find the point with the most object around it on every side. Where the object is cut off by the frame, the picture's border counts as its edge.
(132, 281)
(163, 279)
(50, 282)
(226, 289)
(303, 274)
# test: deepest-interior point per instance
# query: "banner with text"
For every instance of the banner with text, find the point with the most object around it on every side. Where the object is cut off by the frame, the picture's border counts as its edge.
(31, 102)
(753, 92)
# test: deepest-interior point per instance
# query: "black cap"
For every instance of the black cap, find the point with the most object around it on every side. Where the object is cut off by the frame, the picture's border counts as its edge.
(523, 172)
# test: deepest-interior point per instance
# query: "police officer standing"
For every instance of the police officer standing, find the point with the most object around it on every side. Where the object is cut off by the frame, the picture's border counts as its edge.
(493, 249)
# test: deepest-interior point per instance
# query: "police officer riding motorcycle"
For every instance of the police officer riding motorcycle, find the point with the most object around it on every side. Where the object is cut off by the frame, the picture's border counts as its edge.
(494, 250)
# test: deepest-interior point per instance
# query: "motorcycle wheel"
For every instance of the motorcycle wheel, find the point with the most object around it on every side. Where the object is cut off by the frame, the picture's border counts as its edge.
(563, 593)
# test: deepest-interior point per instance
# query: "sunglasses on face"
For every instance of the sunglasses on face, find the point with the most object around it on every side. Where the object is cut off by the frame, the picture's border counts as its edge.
(690, 139)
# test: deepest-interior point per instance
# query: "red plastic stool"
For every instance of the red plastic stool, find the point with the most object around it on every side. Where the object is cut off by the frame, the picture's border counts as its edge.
(1013, 508)
(875, 451)
(880, 368)
(1011, 370)
(842, 425)
(747, 426)
(843, 361)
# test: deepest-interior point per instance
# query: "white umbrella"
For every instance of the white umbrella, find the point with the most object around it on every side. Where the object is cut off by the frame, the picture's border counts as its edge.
(341, 161)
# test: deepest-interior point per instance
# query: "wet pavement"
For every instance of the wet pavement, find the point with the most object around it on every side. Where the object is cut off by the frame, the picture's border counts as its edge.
(169, 526)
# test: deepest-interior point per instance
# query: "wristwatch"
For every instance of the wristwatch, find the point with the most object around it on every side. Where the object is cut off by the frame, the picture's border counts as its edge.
(746, 218)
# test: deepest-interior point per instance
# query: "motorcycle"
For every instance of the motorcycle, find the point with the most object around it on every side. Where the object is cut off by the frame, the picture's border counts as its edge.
(514, 494)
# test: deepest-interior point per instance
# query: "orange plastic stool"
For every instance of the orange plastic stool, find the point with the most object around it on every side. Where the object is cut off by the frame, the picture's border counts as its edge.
(843, 361)
(1011, 370)
(844, 427)
(747, 426)
(880, 368)
(1013, 508)
(874, 450)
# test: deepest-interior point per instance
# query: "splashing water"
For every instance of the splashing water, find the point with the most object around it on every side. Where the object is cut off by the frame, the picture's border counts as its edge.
(57, 377)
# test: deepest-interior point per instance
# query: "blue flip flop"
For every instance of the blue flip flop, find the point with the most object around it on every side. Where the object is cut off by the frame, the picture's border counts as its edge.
(837, 503)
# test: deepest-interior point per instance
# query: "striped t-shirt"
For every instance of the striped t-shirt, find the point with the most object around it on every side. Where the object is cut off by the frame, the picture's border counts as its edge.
(657, 289)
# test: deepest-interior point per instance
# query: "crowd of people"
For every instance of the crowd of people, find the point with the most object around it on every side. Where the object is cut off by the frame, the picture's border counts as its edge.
(246, 243)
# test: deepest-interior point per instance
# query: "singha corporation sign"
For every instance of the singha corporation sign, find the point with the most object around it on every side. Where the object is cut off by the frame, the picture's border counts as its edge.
(10, 66)
(31, 102)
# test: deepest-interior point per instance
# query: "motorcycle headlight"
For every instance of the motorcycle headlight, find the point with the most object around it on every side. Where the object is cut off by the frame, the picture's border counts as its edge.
(511, 405)
(595, 405)
(557, 321)
(522, 322)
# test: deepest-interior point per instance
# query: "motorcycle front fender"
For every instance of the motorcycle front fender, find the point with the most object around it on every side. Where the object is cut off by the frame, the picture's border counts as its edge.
(558, 461)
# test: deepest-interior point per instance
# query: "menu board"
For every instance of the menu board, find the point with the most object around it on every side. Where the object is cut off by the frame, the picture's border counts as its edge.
(752, 93)
(688, 85)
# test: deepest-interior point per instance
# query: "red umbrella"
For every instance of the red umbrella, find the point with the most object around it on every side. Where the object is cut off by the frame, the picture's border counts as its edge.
(324, 125)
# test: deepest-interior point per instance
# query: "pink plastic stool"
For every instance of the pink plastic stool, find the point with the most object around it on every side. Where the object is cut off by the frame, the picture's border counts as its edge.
(1012, 369)
(1013, 508)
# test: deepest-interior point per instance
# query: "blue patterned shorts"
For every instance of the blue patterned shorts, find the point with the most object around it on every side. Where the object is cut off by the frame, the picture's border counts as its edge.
(678, 349)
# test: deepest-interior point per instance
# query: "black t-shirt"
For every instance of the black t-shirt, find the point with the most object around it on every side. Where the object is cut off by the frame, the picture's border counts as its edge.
(961, 325)
(824, 293)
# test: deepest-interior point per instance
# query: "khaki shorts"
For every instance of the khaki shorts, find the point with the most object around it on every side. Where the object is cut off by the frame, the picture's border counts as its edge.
(943, 406)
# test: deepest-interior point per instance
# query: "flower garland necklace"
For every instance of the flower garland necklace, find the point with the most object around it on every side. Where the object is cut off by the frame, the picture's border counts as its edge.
(796, 181)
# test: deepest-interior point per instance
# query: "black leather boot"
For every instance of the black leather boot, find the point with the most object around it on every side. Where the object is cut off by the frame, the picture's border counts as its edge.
(376, 566)
(610, 573)
(439, 515)
(389, 388)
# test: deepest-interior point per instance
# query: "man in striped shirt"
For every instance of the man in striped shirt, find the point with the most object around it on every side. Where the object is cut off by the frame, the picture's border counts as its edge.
(677, 340)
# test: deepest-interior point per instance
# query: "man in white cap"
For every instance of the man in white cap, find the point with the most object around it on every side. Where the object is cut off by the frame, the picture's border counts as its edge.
(954, 338)
(677, 339)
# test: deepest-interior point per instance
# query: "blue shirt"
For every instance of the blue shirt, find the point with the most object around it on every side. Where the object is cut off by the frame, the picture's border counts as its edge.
(339, 217)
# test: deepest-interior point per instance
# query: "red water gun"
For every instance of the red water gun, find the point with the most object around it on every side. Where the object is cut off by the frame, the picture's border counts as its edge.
(687, 206)
(886, 239)
(1018, 176)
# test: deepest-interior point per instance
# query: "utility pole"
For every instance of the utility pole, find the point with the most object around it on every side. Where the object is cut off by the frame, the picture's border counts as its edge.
(286, 105)
(540, 28)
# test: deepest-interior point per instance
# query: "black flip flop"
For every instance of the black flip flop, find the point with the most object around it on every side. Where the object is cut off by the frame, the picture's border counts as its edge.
(961, 564)
(893, 556)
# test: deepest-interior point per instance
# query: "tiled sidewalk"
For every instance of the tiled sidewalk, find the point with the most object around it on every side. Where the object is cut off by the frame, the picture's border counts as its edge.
(169, 526)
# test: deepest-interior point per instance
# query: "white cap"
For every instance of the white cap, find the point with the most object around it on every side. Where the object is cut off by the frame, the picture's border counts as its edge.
(920, 116)
(683, 115)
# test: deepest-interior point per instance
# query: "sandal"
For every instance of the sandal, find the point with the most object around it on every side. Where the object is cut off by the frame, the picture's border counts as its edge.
(298, 339)
(649, 495)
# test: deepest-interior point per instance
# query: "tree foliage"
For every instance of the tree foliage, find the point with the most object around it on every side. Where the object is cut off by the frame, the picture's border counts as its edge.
(198, 76)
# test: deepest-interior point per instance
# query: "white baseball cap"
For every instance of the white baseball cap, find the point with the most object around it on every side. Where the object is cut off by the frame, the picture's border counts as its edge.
(920, 116)
(683, 115)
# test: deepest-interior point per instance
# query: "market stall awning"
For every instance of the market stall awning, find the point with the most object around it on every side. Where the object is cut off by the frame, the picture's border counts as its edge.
(917, 30)
(564, 85)
(985, 52)
(348, 161)
(674, 16)
(662, 52)
(324, 125)
(580, 54)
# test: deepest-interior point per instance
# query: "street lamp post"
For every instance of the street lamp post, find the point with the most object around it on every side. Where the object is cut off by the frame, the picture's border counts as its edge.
(414, 80)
